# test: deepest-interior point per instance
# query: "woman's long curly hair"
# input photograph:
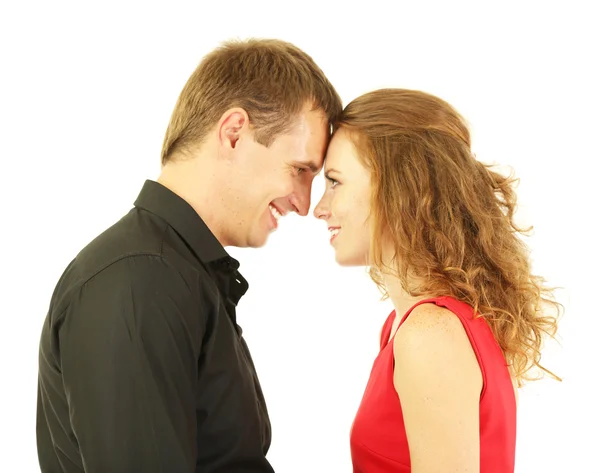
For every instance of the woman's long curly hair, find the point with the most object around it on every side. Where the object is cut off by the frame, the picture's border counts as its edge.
(450, 219)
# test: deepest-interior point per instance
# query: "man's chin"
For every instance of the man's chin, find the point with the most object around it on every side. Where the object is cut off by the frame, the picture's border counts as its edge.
(258, 241)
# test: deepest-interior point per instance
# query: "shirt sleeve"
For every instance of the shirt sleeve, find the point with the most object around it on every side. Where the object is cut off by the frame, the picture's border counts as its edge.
(129, 366)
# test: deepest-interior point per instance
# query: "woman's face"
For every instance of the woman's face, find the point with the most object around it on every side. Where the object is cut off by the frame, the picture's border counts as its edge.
(346, 202)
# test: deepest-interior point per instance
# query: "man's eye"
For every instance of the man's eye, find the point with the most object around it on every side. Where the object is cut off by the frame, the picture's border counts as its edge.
(300, 170)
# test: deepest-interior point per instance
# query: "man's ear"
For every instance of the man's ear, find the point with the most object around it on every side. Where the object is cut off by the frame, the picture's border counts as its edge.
(231, 125)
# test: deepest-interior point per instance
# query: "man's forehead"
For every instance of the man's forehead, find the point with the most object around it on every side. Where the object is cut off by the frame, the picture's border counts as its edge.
(311, 161)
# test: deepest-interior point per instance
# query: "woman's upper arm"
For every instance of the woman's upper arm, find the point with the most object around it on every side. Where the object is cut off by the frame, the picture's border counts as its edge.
(439, 383)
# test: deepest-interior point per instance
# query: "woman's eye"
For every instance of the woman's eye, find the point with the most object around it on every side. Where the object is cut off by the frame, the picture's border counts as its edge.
(333, 182)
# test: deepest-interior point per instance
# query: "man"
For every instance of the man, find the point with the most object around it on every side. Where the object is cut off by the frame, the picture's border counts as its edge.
(142, 364)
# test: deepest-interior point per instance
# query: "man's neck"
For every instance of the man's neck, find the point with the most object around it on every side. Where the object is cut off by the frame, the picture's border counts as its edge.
(198, 187)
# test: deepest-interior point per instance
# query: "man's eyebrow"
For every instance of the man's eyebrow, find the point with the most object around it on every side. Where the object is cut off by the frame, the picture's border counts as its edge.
(311, 165)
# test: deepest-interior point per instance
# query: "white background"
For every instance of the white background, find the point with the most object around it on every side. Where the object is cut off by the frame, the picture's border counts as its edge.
(87, 89)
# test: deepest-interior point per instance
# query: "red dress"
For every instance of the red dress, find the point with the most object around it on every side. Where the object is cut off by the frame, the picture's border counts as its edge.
(378, 441)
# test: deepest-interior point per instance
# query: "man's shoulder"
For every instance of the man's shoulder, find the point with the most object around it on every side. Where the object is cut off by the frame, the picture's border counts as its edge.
(136, 233)
(137, 248)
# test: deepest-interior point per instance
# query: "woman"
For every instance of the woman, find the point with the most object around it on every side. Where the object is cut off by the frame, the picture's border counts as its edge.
(406, 197)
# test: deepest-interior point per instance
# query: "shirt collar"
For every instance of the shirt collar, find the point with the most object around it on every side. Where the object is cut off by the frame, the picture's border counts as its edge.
(179, 214)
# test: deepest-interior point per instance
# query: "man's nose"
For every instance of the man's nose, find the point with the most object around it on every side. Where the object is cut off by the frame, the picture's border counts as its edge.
(300, 199)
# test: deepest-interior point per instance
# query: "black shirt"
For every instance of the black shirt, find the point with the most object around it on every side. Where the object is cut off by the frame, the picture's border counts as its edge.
(142, 365)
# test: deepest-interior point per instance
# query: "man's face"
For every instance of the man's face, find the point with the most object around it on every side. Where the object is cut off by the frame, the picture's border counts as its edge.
(267, 183)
